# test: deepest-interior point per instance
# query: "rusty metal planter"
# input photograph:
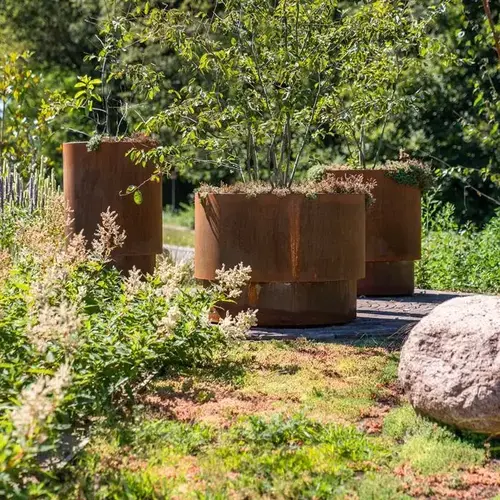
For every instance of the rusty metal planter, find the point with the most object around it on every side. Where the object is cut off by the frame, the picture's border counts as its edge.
(306, 254)
(393, 235)
(93, 182)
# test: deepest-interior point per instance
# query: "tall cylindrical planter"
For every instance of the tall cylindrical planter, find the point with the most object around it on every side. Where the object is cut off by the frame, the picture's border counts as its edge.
(306, 254)
(96, 180)
(393, 235)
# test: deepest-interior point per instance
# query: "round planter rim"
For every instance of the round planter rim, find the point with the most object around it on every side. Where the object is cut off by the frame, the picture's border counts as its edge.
(370, 171)
(104, 141)
(258, 195)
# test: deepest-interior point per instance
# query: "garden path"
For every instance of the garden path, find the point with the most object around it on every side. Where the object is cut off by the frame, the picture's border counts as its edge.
(378, 318)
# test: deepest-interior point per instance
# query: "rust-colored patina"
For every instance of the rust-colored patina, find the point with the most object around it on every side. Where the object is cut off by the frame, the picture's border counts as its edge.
(393, 235)
(388, 278)
(306, 254)
(96, 180)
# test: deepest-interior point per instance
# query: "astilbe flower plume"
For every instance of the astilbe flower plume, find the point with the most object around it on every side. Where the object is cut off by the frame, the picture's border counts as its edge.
(236, 327)
(171, 276)
(56, 324)
(42, 239)
(169, 322)
(133, 283)
(230, 282)
(107, 237)
(37, 404)
(76, 251)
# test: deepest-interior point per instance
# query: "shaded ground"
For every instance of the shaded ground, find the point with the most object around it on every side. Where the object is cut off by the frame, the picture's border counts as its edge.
(284, 419)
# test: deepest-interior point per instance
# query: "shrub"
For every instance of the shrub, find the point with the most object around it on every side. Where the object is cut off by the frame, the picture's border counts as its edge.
(454, 259)
(78, 339)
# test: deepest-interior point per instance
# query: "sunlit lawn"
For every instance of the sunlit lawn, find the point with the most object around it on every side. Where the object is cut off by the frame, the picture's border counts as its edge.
(178, 236)
(284, 420)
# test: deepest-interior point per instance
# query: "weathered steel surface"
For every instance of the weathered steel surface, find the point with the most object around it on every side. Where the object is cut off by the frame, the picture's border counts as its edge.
(306, 254)
(294, 304)
(284, 239)
(393, 235)
(393, 222)
(146, 263)
(388, 279)
(93, 182)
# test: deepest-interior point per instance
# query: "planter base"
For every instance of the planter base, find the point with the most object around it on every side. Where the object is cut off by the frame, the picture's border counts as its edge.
(299, 304)
(125, 263)
(388, 278)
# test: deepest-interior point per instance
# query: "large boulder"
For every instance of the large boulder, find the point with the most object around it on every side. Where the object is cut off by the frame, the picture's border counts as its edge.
(450, 364)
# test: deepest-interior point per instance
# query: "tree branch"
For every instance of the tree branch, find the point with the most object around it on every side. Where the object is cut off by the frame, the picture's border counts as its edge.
(496, 38)
(306, 135)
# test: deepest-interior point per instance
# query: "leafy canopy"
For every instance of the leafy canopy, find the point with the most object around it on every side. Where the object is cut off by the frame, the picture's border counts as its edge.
(268, 78)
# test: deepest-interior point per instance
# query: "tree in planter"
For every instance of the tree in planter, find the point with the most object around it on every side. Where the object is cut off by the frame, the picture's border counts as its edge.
(280, 75)
(275, 79)
(383, 53)
(98, 174)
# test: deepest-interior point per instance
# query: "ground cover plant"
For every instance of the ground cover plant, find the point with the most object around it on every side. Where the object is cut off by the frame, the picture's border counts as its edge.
(284, 419)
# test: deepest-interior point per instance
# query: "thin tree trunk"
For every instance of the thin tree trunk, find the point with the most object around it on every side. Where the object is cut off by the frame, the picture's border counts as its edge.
(496, 37)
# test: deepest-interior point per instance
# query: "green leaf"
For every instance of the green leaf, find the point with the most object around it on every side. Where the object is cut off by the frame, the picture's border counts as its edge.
(138, 197)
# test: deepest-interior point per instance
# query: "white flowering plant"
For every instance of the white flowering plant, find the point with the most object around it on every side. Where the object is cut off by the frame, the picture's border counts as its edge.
(78, 339)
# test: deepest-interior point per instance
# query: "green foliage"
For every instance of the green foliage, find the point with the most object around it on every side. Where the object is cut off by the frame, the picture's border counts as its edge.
(59, 32)
(78, 339)
(294, 457)
(453, 123)
(434, 456)
(429, 447)
(183, 217)
(410, 172)
(267, 80)
(25, 128)
(176, 437)
(94, 143)
(377, 486)
(458, 259)
(298, 430)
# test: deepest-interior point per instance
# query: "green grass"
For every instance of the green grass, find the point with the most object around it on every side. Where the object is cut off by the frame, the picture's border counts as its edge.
(178, 226)
(183, 217)
(281, 420)
(178, 236)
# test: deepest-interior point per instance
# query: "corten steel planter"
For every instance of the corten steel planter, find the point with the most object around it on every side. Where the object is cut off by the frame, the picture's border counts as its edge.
(393, 235)
(306, 254)
(93, 182)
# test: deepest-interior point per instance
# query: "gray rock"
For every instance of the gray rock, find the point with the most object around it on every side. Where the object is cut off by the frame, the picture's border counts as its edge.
(450, 364)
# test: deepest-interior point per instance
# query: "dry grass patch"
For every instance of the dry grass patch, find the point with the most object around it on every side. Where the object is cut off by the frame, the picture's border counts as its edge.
(475, 483)
(189, 400)
(326, 382)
